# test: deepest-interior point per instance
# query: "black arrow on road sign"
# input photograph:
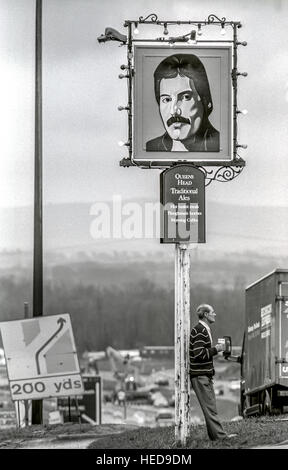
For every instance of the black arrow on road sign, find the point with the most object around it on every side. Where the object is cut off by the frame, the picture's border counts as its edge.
(61, 321)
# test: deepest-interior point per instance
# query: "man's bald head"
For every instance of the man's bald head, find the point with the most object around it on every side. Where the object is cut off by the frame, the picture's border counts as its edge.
(202, 309)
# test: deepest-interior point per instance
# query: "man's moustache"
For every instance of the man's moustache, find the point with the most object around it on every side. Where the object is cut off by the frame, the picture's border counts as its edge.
(173, 119)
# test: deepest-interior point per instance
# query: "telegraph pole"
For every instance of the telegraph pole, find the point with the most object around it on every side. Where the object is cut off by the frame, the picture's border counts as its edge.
(38, 239)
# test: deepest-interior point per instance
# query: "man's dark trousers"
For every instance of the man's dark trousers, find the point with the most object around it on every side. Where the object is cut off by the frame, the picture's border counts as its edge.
(204, 390)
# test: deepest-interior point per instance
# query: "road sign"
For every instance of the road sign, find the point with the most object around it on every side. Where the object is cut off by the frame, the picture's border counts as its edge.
(183, 205)
(41, 357)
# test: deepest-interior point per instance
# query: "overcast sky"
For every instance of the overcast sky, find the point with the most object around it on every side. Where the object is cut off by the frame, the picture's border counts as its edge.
(81, 92)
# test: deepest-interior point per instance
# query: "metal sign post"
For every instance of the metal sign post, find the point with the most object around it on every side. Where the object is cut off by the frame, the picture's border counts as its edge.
(26, 402)
(37, 405)
(125, 409)
(182, 333)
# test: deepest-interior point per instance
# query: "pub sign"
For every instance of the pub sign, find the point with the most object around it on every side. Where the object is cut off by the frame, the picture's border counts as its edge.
(182, 197)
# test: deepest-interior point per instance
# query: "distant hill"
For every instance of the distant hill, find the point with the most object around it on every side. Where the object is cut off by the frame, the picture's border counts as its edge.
(243, 244)
(68, 229)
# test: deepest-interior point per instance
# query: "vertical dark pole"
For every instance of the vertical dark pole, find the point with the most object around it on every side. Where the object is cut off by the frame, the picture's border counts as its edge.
(26, 402)
(38, 248)
(18, 414)
(78, 412)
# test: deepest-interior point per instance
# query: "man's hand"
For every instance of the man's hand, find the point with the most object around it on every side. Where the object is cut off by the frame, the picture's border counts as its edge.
(220, 347)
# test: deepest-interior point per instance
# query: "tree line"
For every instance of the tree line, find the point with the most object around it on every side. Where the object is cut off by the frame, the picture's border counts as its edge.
(135, 315)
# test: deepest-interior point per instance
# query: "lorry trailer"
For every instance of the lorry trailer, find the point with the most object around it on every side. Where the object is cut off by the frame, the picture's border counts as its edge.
(264, 358)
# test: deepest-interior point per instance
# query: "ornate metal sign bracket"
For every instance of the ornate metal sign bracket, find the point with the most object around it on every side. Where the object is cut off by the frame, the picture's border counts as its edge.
(214, 171)
(223, 174)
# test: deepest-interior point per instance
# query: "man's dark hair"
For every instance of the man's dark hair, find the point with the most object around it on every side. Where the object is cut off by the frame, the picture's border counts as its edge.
(185, 65)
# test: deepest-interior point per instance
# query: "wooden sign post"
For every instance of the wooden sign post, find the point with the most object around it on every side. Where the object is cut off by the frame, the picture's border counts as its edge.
(182, 333)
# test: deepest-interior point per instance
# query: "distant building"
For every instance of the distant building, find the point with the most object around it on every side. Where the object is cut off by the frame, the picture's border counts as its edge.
(157, 352)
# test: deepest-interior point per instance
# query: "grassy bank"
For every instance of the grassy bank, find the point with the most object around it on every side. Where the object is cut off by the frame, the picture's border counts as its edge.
(10, 437)
(250, 433)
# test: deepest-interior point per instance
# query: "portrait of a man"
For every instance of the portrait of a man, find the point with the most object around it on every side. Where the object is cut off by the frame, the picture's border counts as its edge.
(185, 103)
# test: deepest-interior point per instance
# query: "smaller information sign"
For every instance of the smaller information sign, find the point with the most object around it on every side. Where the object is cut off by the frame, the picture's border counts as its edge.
(182, 205)
(89, 404)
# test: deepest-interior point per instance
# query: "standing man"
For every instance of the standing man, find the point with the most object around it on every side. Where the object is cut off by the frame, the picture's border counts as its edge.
(202, 370)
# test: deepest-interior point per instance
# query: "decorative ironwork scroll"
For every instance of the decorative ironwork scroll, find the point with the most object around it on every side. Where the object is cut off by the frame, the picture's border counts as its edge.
(153, 17)
(212, 18)
(222, 174)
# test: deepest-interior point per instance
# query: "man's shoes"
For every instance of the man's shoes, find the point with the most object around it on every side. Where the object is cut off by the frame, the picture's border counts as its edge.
(228, 436)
